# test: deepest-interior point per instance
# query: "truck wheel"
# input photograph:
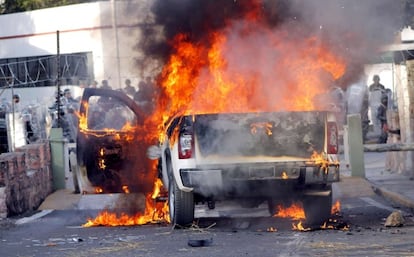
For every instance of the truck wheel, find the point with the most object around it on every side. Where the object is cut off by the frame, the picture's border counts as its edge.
(181, 205)
(317, 209)
(271, 204)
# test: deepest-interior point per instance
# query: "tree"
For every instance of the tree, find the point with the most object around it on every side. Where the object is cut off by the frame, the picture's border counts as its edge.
(13, 6)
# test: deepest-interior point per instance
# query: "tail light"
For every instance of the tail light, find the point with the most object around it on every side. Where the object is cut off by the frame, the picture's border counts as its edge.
(332, 136)
(185, 145)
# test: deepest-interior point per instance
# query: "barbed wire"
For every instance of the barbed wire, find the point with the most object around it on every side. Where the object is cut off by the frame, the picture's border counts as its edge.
(42, 70)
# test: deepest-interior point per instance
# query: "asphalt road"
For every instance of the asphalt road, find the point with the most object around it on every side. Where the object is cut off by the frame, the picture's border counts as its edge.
(357, 230)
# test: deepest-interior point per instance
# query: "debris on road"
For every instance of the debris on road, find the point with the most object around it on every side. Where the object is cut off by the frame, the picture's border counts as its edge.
(200, 242)
(395, 219)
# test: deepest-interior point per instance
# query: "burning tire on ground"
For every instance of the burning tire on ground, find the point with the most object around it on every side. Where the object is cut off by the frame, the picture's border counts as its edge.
(181, 205)
(318, 208)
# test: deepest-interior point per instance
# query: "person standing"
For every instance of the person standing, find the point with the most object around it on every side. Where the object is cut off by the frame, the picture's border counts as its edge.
(376, 85)
(382, 117)
(145, 96)
(94, 84)
(15, 104)
(67, 94)
(128, 89)
(105, 84)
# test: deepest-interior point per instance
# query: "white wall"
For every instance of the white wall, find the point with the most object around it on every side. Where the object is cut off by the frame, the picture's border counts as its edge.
(384, 70)
(83, 28)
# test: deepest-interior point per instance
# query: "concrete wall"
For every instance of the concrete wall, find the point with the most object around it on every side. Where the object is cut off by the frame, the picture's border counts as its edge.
(25, 179)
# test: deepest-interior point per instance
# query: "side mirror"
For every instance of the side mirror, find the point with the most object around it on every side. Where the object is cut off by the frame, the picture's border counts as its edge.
(154, 152)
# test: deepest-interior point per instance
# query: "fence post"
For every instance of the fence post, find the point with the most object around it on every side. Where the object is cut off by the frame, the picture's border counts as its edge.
(356, 147)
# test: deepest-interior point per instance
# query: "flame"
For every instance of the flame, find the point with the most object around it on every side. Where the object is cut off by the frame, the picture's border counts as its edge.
(295, 212)
(284, 175)
(101, 164)
(265, 126)
(215, 78)
(155, 212)
(125, 189)
(336, 207)
(83, 122)
(271, 229)
(300, 227)
(319, 159)
(157, 189)
(101, 161)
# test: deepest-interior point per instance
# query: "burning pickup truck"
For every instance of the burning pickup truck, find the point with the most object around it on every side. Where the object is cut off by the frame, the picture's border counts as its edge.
(250, 158)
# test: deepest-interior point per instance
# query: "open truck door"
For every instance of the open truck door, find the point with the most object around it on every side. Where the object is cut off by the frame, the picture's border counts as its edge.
(107, 142)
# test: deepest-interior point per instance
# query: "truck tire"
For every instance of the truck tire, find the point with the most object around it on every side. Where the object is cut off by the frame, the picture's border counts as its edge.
(181, 205)
(318, 208)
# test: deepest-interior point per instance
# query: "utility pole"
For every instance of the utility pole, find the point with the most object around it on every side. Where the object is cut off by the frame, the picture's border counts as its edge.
(58, 79)
(115, 27)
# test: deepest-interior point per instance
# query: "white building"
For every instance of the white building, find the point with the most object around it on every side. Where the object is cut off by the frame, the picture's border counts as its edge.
(96, 42)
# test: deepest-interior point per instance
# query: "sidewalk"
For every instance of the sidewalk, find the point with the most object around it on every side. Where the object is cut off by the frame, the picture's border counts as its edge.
(396, 187)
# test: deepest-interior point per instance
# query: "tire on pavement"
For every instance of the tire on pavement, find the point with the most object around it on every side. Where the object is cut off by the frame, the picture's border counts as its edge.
(318, 208)
(181, 205)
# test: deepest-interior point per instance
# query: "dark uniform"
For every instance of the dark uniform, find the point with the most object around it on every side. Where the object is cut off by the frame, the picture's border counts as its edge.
(382, 117)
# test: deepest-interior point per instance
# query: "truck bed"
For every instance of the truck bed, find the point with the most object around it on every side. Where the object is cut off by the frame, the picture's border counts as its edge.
(269, 135)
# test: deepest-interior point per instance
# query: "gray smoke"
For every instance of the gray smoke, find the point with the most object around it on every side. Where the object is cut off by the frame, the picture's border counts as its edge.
(355, 29)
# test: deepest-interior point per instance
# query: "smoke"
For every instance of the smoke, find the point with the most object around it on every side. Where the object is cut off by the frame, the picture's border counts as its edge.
(194, 19)
(354, 29)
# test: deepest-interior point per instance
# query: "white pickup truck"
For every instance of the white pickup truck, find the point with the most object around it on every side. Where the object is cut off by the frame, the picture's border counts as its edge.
(276, 157)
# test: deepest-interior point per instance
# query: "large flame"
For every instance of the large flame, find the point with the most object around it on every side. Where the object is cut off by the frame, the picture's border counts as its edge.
(155, 212)
(248, 70)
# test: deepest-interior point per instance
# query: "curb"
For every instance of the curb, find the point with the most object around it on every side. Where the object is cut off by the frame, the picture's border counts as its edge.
(33, 217)
(392, 196)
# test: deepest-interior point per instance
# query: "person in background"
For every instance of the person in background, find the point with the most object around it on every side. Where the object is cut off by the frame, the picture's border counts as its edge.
(16, 98)
(128, 89)
(145, 96)
(67, 94)
(364, 116)
(94, 84)
(382, 117)
(15, 107)
(25, 115)
(337, 96)
(376, 85)
(105, 84)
